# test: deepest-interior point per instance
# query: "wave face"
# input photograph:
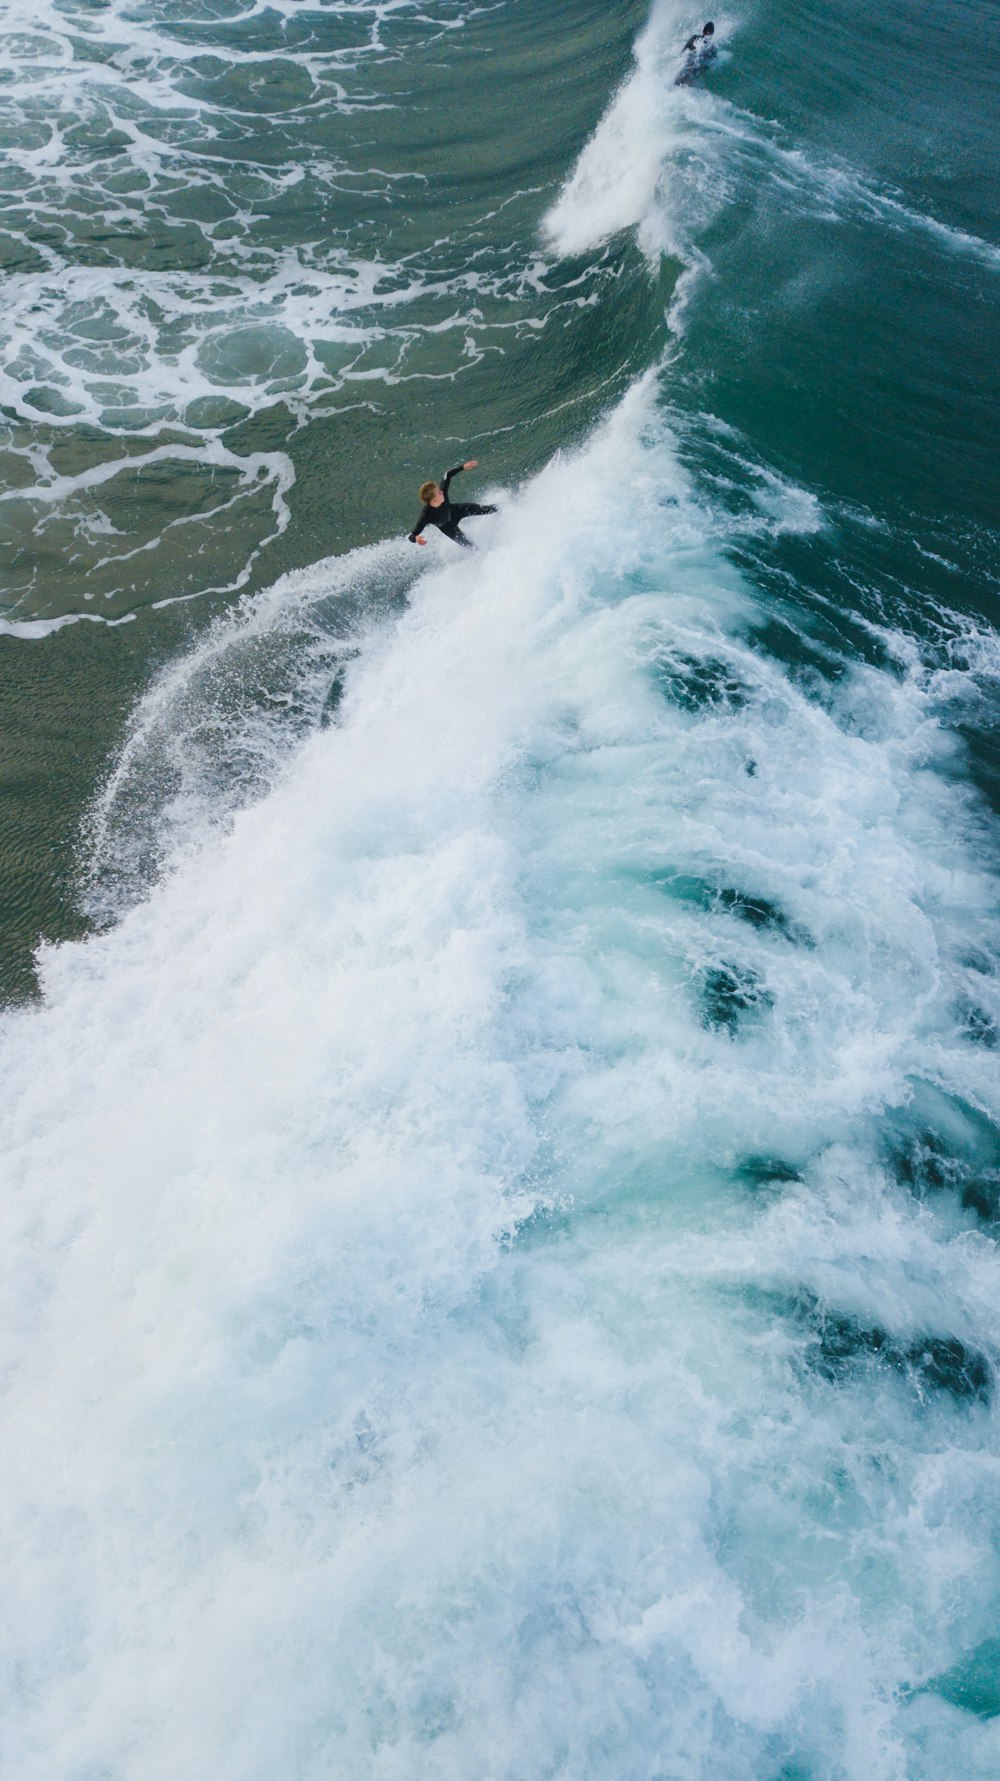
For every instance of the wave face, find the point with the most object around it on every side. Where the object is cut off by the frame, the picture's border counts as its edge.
(499, 1215)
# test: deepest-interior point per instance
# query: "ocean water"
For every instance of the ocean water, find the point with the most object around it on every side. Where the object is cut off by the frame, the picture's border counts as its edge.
(501, 1116)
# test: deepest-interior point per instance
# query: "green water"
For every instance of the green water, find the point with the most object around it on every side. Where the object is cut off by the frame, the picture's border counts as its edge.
(853, 350)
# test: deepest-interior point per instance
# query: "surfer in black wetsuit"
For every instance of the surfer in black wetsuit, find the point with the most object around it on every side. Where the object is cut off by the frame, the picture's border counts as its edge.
(698, 50)
(439, 511)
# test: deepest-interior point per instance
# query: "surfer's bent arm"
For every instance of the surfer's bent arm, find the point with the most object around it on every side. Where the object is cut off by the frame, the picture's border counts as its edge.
(446, 478)
(414, 536)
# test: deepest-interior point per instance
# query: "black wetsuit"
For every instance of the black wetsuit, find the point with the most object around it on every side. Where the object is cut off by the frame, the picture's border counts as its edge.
(447, 516)
(697, 53)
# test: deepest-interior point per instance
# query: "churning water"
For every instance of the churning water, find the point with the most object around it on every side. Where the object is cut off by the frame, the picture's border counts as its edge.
(500, 1214)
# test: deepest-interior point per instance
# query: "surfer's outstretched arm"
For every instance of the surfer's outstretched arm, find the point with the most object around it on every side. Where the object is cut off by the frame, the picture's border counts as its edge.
(470, 464)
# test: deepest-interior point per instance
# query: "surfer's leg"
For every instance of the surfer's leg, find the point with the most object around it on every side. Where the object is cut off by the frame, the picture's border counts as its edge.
(463, 509)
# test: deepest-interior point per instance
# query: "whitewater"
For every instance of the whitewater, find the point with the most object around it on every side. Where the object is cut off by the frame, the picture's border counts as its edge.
(402, 1369)
(496, 1221)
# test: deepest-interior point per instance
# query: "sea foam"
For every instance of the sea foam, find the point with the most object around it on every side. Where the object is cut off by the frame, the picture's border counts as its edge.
(650, 164)
(473, 1301)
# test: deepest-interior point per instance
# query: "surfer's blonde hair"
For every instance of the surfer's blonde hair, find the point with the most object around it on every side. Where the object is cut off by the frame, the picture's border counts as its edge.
(427, 489)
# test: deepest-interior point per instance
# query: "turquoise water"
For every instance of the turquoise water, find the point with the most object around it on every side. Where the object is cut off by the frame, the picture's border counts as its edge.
(500, 1209)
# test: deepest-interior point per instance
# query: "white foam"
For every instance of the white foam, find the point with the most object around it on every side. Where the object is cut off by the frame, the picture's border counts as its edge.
(645, 166)
(216, 726)
(330, 1450)
(663, 159)
(34, 629)
(834, 188)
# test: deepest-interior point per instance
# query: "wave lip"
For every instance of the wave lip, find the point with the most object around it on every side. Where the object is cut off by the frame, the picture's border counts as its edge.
(661, 162)
(631, 174)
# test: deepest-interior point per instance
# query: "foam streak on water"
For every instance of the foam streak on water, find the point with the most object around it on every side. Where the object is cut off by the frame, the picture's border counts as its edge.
(470, 1307)
(199, 237)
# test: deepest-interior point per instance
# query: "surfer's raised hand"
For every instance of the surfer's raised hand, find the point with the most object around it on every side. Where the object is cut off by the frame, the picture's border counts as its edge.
(470, 463)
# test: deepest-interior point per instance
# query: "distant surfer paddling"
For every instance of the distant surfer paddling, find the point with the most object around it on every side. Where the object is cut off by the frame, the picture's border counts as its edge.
(698, 50)
(439, 510)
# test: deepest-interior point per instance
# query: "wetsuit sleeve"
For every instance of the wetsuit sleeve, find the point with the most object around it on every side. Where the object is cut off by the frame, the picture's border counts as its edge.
(448, 476)
(421, 523)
